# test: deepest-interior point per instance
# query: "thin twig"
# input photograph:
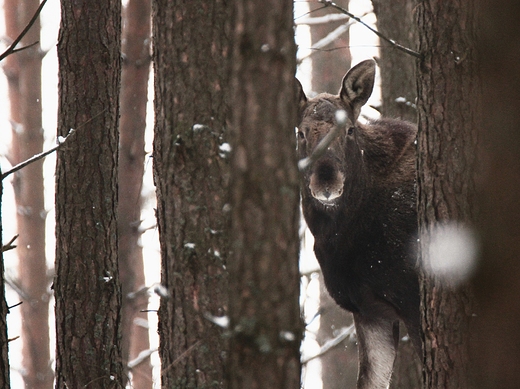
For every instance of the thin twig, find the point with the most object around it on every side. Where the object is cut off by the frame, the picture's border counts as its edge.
(330, 344)
(12, 48)
(9, 245)
(37, 157)
(329, 3)
(341, 122)
(61, 141)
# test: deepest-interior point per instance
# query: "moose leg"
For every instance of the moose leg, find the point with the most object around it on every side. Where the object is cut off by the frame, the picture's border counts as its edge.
(377, 349)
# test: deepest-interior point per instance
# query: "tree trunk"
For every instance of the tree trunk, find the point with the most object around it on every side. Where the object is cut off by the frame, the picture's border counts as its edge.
(87, 288)
(264, 278)
(329, 64)
(23, 70)
(190, 172)
(496, 344)
(4, 349)
(448, 116)
(395, 20)
(134, 96)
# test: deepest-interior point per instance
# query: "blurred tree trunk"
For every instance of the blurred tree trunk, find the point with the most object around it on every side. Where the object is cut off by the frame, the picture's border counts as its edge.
(448, 109)
(87, 287)
(4, 348)
(134, 95)
(396, 21)
(263, 268)
(329, 65)
(496, 344)
(191, 45)
(23, 70)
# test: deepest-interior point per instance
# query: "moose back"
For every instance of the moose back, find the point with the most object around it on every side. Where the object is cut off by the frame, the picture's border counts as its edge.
(358, 200)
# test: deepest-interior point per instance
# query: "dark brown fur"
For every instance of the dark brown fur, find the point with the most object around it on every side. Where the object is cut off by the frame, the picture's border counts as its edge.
(359, 202)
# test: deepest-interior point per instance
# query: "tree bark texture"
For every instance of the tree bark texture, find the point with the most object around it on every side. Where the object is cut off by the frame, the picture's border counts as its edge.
(448, 115)
(4, 348)
(395, 20)
(191, 44)
(23, 71)
(87, 287)
(496, 344)
(134, 96)
(264, 278)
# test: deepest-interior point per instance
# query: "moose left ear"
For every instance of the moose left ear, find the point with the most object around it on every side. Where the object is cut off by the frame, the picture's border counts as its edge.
(357, 85)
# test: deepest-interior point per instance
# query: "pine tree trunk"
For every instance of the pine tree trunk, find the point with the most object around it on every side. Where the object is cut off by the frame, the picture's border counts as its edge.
(190, 172)
(23, 70)
(448, 116)
(496, 349)
(134, 96)
(396, 20)
(264, 277)
(87, 287)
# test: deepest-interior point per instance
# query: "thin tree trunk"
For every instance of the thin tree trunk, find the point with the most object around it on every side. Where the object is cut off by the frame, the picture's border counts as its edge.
(87, 287)
(24, 73)
(4, 348)
(396, 20)
(264, 278)
(448, 116)
(134, 95)
(496, 344)
(191, 44)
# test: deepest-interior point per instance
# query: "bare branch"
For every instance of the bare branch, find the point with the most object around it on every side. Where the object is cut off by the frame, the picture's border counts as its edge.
(341, 122)
(61, 141)
(329, 3)
(331, 37)
(310, 21)
(37, 157)
(143, 356)
(330, 344)
(9, 245)
(12, 48)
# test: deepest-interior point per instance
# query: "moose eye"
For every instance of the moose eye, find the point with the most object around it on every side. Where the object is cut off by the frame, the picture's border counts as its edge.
(350, 131)
(301, 135)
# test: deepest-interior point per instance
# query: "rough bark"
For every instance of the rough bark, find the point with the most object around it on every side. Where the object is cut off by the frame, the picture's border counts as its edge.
(395, 20)
(23, 70)
(496, 344)
(448, 115)
(191, 44)
(87, 287)
(264, 278)
(4, 348)
(134, 96)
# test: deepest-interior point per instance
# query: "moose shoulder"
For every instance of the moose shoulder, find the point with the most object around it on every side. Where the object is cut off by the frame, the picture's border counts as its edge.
(358, 200)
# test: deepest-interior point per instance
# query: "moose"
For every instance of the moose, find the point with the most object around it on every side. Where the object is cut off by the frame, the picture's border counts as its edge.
(358, 200)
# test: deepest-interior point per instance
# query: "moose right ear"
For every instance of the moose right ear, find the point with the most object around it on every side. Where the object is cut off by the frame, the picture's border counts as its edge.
(357, 85)
(302, 99)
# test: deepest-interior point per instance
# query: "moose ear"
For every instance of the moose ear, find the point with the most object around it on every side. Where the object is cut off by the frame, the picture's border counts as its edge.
(302, 99)
(357, 85)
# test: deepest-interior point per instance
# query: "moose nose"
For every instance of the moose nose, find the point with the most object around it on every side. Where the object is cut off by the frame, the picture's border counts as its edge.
(326, 193)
